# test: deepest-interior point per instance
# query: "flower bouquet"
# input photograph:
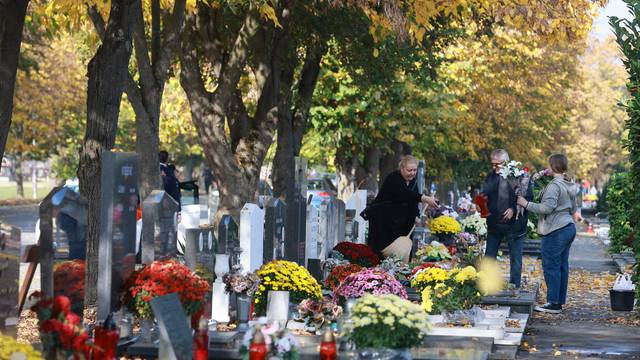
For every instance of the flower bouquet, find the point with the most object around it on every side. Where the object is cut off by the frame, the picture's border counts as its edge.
(422, 267)
(540, 180)
(11, 349)
(60, 329)
(458, 291)
(282, 275)
(280, 343)
(359, 254)
(68, 280)
(370, 281)
(339, 273)
(429, 277)
(161, 278)
(444, 227)
(316, 313)
(241, 284)
(475, 224)
(434, 251)
(387, 321)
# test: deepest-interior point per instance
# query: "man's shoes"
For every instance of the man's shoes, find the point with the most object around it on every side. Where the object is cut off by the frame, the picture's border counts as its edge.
(549, 308)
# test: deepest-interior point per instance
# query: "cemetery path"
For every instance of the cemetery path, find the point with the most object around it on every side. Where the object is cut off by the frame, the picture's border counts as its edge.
(587, 328)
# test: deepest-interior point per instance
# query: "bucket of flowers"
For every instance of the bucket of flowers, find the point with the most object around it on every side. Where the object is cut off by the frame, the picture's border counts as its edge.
(339, 273)
(445, 228)
(282, 275)
(68, 280)
(162, 278)
(397, 324)
(369, 281)
(359, 254)
(61, 334)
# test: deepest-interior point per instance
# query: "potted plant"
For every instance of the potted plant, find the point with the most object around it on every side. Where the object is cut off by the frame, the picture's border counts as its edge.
(339, 273)
(162, 278)
(244, 286)
(68, 280)
(386, 323)
(369, 281)
(359, 254)
(444, 228)
(282, 275)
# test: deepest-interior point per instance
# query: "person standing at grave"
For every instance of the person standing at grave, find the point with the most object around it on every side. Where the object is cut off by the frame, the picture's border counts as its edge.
(70, 210)
(394, 211)
(170, 182)
(556, 224)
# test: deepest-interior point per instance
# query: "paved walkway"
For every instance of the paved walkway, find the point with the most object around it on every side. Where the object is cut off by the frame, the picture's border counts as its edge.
(587, 329)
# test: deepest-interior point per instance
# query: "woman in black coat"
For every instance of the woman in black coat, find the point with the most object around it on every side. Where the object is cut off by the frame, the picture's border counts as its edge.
(394, 210)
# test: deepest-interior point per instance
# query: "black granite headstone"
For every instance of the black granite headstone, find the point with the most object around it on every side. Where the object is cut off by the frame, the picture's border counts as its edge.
(274, 225)
(117, 248)
(200, 247)
(159, 227)
(9, 276)
(176, 341)
(296, 229)
(228, 240)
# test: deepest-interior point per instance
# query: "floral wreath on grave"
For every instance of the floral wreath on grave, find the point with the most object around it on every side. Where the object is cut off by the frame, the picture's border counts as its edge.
(60, 329)
(282, 275)
(458, 291)
(12, 349)
(359, 254)
(339, 273)
(369, 281)
(397, 323)
(162, 278)
(68, 280)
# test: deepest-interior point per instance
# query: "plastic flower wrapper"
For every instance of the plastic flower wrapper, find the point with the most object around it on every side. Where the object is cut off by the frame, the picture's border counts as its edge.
(387, 321)
(241, 284)
(490, 279)
(370, 281)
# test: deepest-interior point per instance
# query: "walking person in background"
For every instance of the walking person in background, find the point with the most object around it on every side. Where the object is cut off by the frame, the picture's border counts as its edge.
(170, 182)
(556, 224)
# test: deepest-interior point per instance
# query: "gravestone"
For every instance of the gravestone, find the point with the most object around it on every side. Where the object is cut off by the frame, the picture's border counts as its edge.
(312, 233)
(9, 278)
(159, 211)
(420, 176)
(176, 341)
(358, 202)
(341, 219)
(325, 228)
(117, 246)
(199, 255)
(251, 237)
(295, 232)
(275, 217)
(228, 242)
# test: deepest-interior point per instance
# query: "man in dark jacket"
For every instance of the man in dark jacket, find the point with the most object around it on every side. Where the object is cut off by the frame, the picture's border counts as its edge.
(504, 220)
(169, 181)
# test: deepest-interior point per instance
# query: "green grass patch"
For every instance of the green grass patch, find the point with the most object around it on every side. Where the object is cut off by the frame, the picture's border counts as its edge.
(8, 191)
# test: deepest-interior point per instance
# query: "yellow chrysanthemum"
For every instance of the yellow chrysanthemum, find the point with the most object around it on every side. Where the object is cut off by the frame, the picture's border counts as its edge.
(445, 225)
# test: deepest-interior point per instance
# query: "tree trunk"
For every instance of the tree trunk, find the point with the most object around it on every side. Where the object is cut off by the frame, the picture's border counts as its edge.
(12, 15)
(291, 126)
(107, 72)
(371, 167)
(346, 167)
(19, 175)
(390, 159)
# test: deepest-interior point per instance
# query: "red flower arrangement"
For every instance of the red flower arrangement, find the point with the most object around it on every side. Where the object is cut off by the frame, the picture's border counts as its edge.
(483, 203)
(60, 329)
(68, 280)
(339, 273)
(162, 278)
(359, 254)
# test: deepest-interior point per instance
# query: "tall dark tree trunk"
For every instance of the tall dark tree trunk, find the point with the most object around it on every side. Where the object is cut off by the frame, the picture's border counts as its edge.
(107, 72)
(12, 16)
(372, 168)
(19, 175)
(292, 125)
(347, 167)
(145, 95)
(390, 159)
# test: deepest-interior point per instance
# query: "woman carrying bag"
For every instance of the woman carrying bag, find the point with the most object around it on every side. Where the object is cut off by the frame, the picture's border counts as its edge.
(557, 210)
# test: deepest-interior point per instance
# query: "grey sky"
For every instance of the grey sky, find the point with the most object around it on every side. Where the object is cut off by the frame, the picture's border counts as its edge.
(601, 26)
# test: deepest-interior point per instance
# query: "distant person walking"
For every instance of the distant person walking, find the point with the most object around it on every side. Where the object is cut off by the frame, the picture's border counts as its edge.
(170, 182)
(556, 224)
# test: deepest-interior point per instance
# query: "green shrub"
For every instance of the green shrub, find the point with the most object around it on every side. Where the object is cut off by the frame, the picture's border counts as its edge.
(619, 202)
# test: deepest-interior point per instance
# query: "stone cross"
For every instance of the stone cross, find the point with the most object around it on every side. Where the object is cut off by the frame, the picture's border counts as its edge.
(251, 237)
(275, 217)
(117, 246)
(159, 211)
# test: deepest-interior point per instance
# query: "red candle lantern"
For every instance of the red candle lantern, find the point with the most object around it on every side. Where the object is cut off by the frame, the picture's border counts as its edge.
(258, 348)
(328, 349)
(201, 341)
(106, 340)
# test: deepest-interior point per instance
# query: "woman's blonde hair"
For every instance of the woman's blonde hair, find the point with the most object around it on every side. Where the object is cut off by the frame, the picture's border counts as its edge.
(407, 159)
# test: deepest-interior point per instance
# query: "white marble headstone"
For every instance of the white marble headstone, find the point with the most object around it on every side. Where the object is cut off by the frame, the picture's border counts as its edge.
(312, 233)
(251, 237)
(358, 202)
